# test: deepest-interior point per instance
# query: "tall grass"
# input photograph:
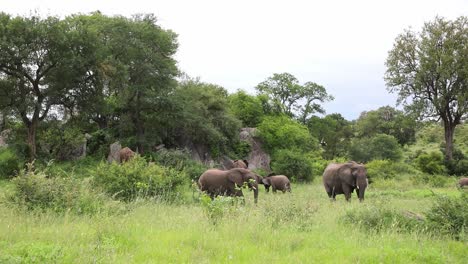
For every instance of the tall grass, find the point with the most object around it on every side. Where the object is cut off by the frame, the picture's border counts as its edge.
(302, 227)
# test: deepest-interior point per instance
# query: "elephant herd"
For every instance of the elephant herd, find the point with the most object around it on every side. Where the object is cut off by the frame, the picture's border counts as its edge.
(338, 178)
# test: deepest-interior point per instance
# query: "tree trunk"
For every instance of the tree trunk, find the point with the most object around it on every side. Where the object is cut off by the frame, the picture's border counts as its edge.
(449, 130)
(32, 128)
(140, 133)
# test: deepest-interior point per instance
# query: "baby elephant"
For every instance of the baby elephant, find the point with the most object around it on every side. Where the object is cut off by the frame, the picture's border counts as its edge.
(126, 154)
(277, 182)
(463, 182)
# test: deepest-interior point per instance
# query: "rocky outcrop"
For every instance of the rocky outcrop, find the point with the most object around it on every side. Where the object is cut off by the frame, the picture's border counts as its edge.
(258, 158)
(4, 137)
(114, 154)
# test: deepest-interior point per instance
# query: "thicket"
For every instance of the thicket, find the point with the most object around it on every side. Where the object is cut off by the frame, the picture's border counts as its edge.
(9, 163)
(138, 179)
(37, 190)
(447, 216)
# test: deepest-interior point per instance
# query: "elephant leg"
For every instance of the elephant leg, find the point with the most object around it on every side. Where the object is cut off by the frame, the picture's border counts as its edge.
(274, 188)
(347, 192)
(331, 193)
(357, 192)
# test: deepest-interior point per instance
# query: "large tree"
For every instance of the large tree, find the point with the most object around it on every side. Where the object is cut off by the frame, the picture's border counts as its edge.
(429, 71)
(40, 62)
(286, 95)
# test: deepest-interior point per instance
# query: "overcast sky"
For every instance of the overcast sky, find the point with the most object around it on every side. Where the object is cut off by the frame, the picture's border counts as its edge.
(339, 44)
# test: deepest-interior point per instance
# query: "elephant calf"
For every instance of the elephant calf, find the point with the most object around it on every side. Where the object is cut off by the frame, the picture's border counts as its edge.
(126, 154)
(463, 182)
(277, 182)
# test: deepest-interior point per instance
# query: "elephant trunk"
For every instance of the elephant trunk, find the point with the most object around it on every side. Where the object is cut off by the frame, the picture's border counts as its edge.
(255, 189)
(361, 189)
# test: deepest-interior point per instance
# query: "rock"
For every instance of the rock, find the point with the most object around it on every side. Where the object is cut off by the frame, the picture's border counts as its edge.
(114, 154)
(258, 158)
(4, 135)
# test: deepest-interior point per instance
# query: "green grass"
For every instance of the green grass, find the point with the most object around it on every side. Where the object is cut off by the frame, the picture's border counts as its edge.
(302, 227)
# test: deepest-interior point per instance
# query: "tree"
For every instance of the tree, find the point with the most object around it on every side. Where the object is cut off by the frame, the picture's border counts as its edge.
(287, 96)
(378, 147)
(200, 116)
(40, 62)
(246, 108)
(334, 133)
(430, 68)
(387, 120)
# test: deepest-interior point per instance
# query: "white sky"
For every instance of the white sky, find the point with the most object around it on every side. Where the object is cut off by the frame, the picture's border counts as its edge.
(339, 44)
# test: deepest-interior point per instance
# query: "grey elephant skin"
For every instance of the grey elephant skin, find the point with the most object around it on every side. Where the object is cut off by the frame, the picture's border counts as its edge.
(228, 183)
(344, 178)
(277, 182)
(463, 182)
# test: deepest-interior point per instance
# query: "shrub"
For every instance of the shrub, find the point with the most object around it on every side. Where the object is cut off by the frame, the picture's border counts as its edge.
(449, 216)
(431, 163)
(294, 164)
(180, 160)
(281, 132)
(9, 163)
(136, 178)
(35, 190)
(379, 218)
(385, 169)
(217, 208)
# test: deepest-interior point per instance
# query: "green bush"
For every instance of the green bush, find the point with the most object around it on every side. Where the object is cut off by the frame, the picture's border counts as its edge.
(432, 163)
(35, 190)
(385, 169)
(282, 132)
(179, 160)
(136, 178)
(9, 163)
(449, 216)
(380, 218)
(294, 164)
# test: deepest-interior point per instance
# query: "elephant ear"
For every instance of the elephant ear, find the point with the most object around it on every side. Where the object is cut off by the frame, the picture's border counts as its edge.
(246, 163)
(236, 176)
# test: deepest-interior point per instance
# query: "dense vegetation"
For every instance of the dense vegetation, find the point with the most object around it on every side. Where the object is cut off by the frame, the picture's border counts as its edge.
(97, 79)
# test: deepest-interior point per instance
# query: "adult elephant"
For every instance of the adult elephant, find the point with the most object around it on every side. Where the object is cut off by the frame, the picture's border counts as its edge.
(344, 178)
(276, 182)
(218, 182)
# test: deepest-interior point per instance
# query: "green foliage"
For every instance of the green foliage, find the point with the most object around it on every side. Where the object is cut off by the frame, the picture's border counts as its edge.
(293, 215)
(449, 216)
(203, 118)
(9, 163)
(246, 108)
(334, 133)
(432, 163)
(138, 179)
(36, 190)
(423, 66)
(385, 169)
(58, 141)
(179, 160)
(294, 164)
(381, 146)
(281, 132)
(37, 252)
(217, 208)
(387, 120)
(286, 96)
(381, 218)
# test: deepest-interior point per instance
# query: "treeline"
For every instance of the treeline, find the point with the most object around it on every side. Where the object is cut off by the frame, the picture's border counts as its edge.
(102, 79)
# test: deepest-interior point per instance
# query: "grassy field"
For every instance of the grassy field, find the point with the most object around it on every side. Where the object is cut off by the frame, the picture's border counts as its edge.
(302, 227)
